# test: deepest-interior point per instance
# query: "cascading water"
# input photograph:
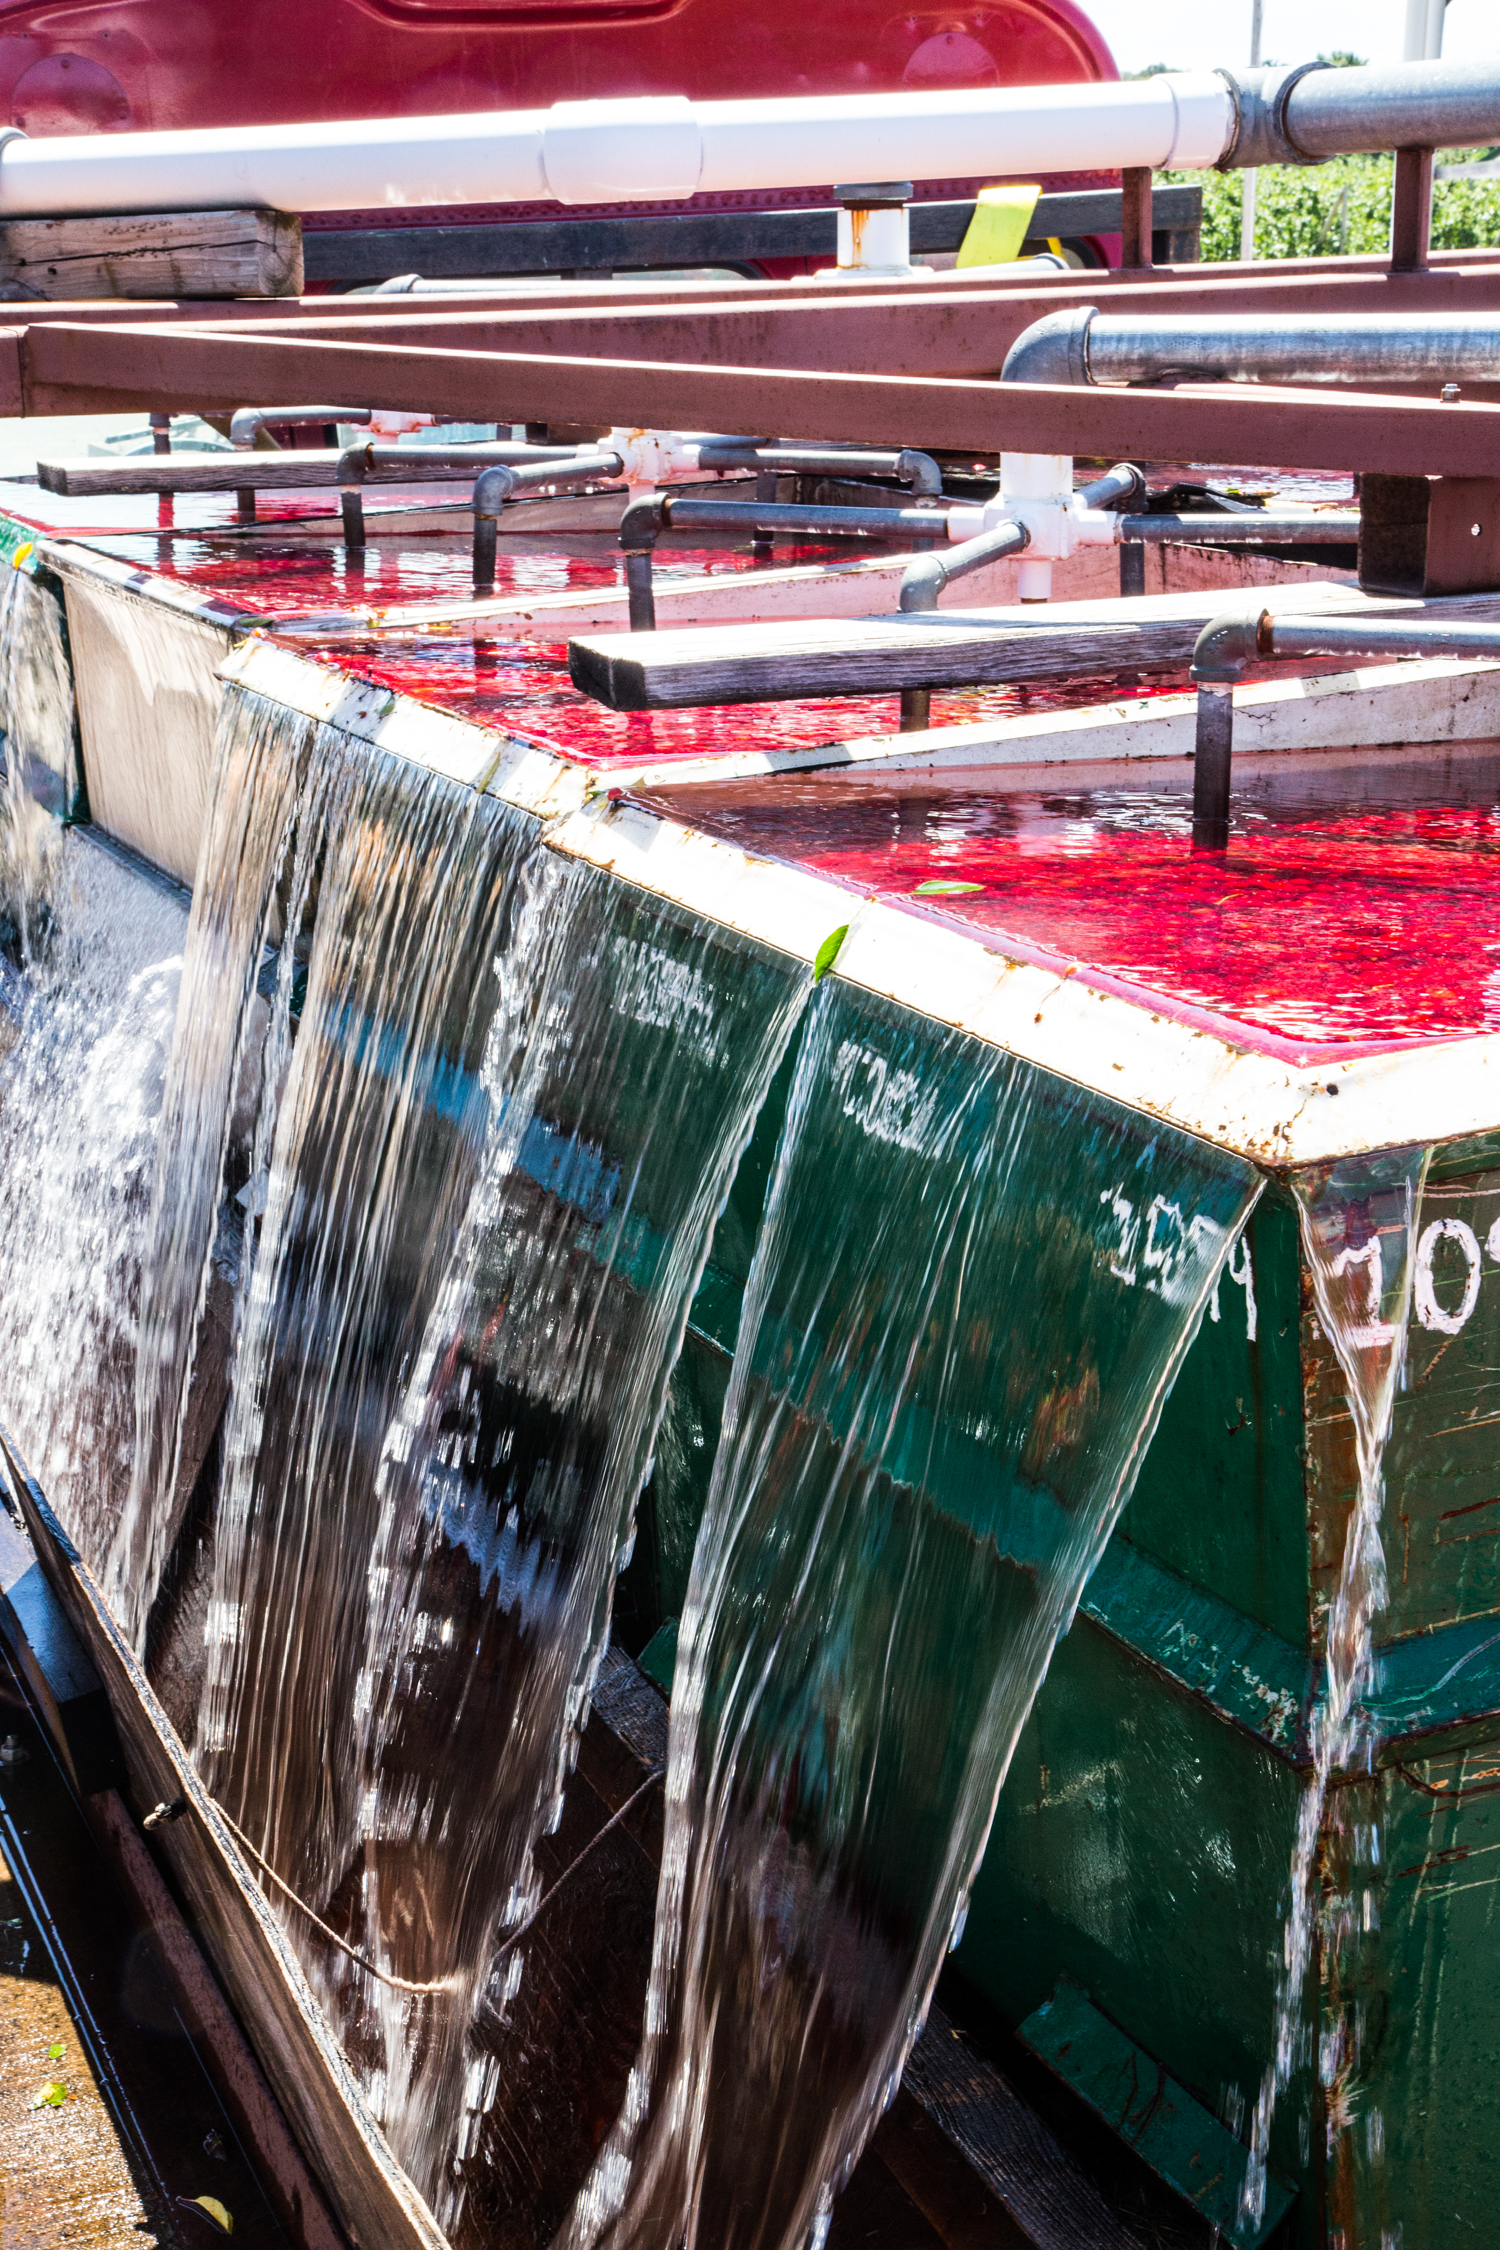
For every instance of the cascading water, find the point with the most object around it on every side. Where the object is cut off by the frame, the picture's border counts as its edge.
(1358, 1223)
(525, 1436)
(90, 957)
(489, 1164)
(275, 784)
(973, 1290)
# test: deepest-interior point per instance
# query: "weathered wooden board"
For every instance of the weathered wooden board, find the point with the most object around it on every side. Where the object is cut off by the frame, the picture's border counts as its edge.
(760, 663)
(173, 254)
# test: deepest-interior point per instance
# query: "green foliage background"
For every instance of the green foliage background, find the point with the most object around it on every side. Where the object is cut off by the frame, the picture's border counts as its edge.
(1342, 207)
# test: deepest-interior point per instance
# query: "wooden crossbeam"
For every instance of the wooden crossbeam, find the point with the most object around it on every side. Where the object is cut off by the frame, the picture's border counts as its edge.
(759, 663)
(693, 238)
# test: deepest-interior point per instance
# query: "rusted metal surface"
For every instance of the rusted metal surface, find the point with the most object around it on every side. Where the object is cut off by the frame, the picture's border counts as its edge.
(77, 370)
(1135, 229)
(961, 331)
(1411, 210)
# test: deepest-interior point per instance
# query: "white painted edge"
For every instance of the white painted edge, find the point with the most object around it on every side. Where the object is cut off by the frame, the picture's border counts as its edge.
(1269, 1111)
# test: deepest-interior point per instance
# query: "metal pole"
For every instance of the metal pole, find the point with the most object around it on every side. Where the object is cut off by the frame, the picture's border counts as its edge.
(1247, 206)
(1211, 765)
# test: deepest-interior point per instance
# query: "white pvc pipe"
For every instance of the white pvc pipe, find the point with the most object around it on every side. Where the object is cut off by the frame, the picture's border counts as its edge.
(657, 148)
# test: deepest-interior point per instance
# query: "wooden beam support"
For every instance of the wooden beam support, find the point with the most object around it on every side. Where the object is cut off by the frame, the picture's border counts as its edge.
(1411, 211)
(78, 369)
(180, 254)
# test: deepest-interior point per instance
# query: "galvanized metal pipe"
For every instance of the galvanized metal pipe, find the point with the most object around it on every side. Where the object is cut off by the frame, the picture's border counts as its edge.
(1084, 345)
(919, 470)
(926, 577)
(1234, 640)
(494, 486)
(1259, 527)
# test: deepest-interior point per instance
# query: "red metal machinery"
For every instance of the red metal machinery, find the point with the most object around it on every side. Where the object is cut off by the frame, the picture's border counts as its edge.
(151, 65)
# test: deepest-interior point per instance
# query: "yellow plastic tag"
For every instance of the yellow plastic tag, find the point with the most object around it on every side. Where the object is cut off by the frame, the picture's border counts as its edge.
(1002, 217)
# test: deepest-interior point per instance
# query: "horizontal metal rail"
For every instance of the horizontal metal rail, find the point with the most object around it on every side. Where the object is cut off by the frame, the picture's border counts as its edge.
(1258, 528)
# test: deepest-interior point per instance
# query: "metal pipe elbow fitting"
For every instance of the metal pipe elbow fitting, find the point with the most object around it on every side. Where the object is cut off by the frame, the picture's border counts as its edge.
(645, 519)
(920, 471)
(922, 582)
(1228, 643)
(1054, 349)
(493, 487)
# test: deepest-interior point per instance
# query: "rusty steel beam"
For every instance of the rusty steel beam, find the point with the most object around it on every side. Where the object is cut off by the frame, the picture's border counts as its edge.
(69, 369)
(959, 332)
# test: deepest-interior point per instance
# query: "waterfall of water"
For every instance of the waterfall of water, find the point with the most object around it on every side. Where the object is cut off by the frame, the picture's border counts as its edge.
(276, 784)
(1358, 1223)
(525, 1436)
(489, 1163)
(88, 993)
(972, 1293)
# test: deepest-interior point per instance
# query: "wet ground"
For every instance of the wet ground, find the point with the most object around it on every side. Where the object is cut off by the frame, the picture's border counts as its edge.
(109, 2127)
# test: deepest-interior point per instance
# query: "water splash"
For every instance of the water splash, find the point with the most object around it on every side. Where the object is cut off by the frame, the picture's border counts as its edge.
(86, 1014)
(1358, 1226)
(973, 1290)
(274, 784)
(488, 1172)
(525, 1435)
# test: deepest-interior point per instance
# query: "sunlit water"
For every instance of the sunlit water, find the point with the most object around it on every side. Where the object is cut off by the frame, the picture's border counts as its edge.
(1358, 1223)
(972, 1292)
(460, 1116)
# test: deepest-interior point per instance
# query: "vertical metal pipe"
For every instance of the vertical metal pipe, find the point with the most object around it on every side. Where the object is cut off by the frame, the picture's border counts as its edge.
(916, 709)
(486, 540)
(640, 589)
(1212, 756)
(352, 508)
(1411, 211)
(161, 433)
(762, 544)
(1135, 231)
(1132, 566)
(244, 501)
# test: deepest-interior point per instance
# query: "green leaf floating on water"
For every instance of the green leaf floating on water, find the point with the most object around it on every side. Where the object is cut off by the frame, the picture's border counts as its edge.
(50, 2096)
(944, 890)
(828, 951)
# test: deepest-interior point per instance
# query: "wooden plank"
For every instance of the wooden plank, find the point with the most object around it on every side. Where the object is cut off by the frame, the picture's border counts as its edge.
(187, 254)
(690, 238)
(759, 663)
(370, 2194)
(81, 369)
